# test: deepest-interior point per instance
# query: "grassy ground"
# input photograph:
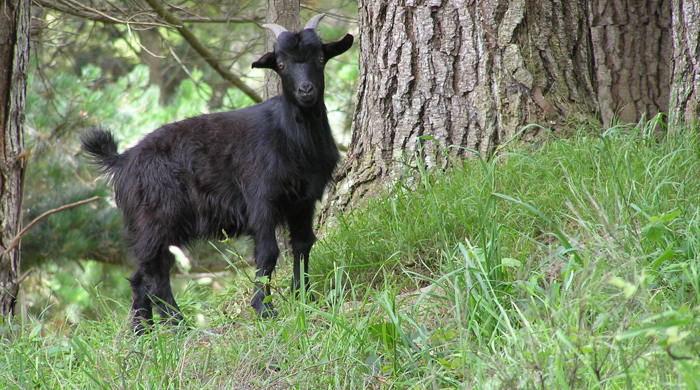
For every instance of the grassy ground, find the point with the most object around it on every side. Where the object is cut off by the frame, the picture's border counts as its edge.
(570, 264)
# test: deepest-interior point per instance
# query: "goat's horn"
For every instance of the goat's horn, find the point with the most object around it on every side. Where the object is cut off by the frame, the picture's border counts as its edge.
(313, 22)
(275, 28)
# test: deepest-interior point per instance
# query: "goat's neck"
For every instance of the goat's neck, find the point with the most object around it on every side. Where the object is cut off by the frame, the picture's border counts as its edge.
(307, 130)
(307, 119)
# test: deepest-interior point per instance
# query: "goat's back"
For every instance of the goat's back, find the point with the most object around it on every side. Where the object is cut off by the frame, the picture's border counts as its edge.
(199, 176)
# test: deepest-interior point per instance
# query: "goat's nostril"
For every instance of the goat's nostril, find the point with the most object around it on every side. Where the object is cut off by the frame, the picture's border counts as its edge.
(306, 88)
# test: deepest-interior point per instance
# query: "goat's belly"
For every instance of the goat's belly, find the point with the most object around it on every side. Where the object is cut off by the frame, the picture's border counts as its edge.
(218, 216)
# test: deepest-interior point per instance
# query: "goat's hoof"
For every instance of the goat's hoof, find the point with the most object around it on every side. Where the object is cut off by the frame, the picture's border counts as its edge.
(177, 323)
(310, 297)
(264, 310)
(268, 313)
(141, 325)
(139, 330)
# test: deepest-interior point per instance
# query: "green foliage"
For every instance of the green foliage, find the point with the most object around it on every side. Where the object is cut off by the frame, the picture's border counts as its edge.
(572, 264)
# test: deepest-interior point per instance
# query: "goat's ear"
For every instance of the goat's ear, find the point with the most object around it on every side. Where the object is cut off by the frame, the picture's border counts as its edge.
(333, 49)
(268, 61)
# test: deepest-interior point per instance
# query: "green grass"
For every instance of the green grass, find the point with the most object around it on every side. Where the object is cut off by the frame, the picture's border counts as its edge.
(570, 264)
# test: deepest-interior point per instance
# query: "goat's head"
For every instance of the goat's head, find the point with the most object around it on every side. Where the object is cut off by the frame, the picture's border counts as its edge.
(299, 59)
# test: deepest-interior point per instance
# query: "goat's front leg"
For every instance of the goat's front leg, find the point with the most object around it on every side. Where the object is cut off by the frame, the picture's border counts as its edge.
(266, 252)
(302, 239)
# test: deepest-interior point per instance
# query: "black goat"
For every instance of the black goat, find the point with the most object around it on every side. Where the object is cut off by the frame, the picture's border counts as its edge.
(239, 172)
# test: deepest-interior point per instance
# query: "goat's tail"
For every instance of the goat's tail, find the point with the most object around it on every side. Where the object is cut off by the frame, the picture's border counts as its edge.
(102, 148)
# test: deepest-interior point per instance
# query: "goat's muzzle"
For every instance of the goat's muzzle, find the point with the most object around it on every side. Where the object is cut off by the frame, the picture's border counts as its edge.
(306, 94)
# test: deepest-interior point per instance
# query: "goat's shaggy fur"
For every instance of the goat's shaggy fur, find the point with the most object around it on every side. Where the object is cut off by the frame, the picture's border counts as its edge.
(240, 172)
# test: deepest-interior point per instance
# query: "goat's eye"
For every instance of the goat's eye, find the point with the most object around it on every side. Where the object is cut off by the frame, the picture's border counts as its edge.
(321, 59)
(280, 66)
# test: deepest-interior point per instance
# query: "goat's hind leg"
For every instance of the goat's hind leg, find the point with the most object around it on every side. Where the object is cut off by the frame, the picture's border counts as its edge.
(150, 285)
(141, 307)
(161, 292)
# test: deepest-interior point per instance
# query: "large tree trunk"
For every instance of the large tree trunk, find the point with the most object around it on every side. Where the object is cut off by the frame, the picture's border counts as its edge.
(632, 50)
(685, 87)
(286, 14)
(467, 74)
(14, 57)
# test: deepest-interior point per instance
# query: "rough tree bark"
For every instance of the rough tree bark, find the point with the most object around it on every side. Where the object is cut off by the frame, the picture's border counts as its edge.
(286, 14)
(685, 84)
(632, 50)
(14, 57)
(468, 74)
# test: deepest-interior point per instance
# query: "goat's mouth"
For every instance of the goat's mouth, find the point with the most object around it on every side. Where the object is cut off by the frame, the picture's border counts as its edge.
(306, 100)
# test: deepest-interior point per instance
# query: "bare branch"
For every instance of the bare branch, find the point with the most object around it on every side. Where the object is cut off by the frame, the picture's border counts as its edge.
(201, 19)
(102, 15)
(203, 275)
(83, 11)
(676, 357)
(330, 14)
(203, 51)
(24, 275)
(15, 241)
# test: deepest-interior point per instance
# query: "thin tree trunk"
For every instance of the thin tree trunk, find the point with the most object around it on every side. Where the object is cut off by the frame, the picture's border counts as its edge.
(151, 55)
(286, 14)
(632, 50)
(459, 76)
(14, 57)
(685, 85)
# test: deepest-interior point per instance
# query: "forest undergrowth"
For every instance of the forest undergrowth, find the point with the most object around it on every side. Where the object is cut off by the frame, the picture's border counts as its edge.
(565, 264)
